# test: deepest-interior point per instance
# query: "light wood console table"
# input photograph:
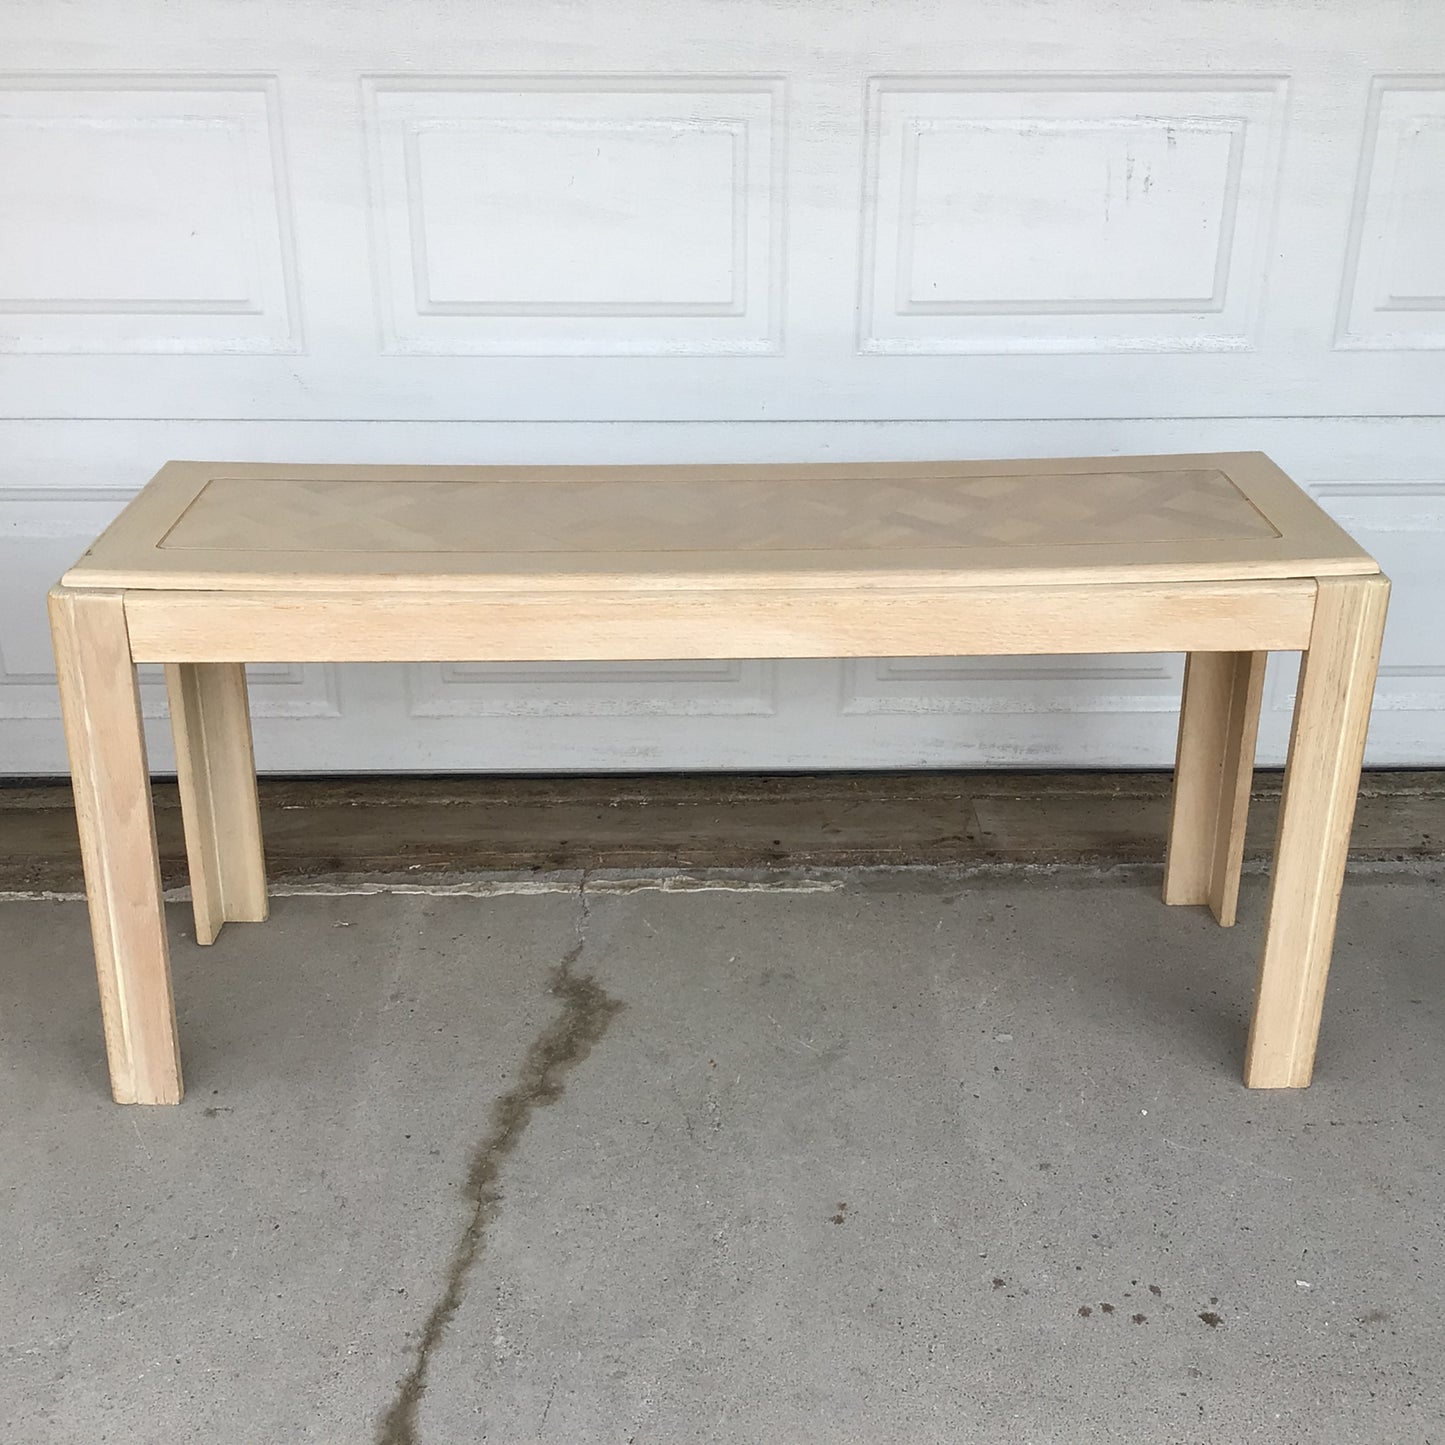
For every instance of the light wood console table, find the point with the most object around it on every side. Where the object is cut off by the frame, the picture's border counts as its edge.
(214, 565)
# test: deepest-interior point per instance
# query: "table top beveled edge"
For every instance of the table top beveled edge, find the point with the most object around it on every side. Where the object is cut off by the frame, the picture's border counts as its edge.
(145, 521)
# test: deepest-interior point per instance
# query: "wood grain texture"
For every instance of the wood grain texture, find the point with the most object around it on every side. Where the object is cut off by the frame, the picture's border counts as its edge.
(1212, 516)
(1220, 554)
(101, 707)
(586, 514)
(1241, 734)
(1218, 725)
(621, 626)
(1332, 713)
(216, 773)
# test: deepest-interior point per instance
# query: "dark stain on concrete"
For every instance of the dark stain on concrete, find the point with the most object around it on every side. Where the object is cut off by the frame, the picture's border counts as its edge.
(1140, 1319)
(1211, 1319)
(1156, 1291)
(1107, 1308)
(587, 1010)
(1084, 1312)
(1375, 1317)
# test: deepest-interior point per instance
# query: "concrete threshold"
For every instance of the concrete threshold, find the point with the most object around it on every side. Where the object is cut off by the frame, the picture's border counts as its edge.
(400, 827)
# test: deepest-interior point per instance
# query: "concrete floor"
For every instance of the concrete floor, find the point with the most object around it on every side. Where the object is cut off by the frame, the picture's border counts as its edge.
(907, 1157)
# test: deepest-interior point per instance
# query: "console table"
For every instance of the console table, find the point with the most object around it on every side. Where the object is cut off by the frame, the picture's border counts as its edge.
(215, 564)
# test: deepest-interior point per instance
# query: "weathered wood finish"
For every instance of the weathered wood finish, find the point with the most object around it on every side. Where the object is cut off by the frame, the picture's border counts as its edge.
(1220, 556)
(1218, 725)
(1322, 777)
(213, 526)
(624, 626)
(101, 708)
(216, 771)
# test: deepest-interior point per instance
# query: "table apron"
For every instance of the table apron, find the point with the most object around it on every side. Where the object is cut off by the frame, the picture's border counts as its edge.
(637, 625)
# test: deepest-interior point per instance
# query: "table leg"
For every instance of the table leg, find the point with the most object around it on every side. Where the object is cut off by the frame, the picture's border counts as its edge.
(101, 707)
(216, 770)
(1327, 745)
(1218, 725)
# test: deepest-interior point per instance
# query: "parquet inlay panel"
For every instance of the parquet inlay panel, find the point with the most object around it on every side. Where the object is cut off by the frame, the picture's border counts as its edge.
(702, 513)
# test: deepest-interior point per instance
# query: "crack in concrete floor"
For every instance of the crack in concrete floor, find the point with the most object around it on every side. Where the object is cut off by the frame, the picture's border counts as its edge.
(587, 1010)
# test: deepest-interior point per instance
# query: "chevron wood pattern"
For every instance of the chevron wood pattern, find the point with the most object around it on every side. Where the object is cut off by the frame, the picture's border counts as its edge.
(705, 514)
(1199, 518)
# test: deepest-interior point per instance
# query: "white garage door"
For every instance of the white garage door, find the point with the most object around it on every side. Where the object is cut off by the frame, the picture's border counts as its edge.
(654, 230)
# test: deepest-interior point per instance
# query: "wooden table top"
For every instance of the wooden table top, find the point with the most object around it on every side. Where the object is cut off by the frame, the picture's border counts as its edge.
(219, 526)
